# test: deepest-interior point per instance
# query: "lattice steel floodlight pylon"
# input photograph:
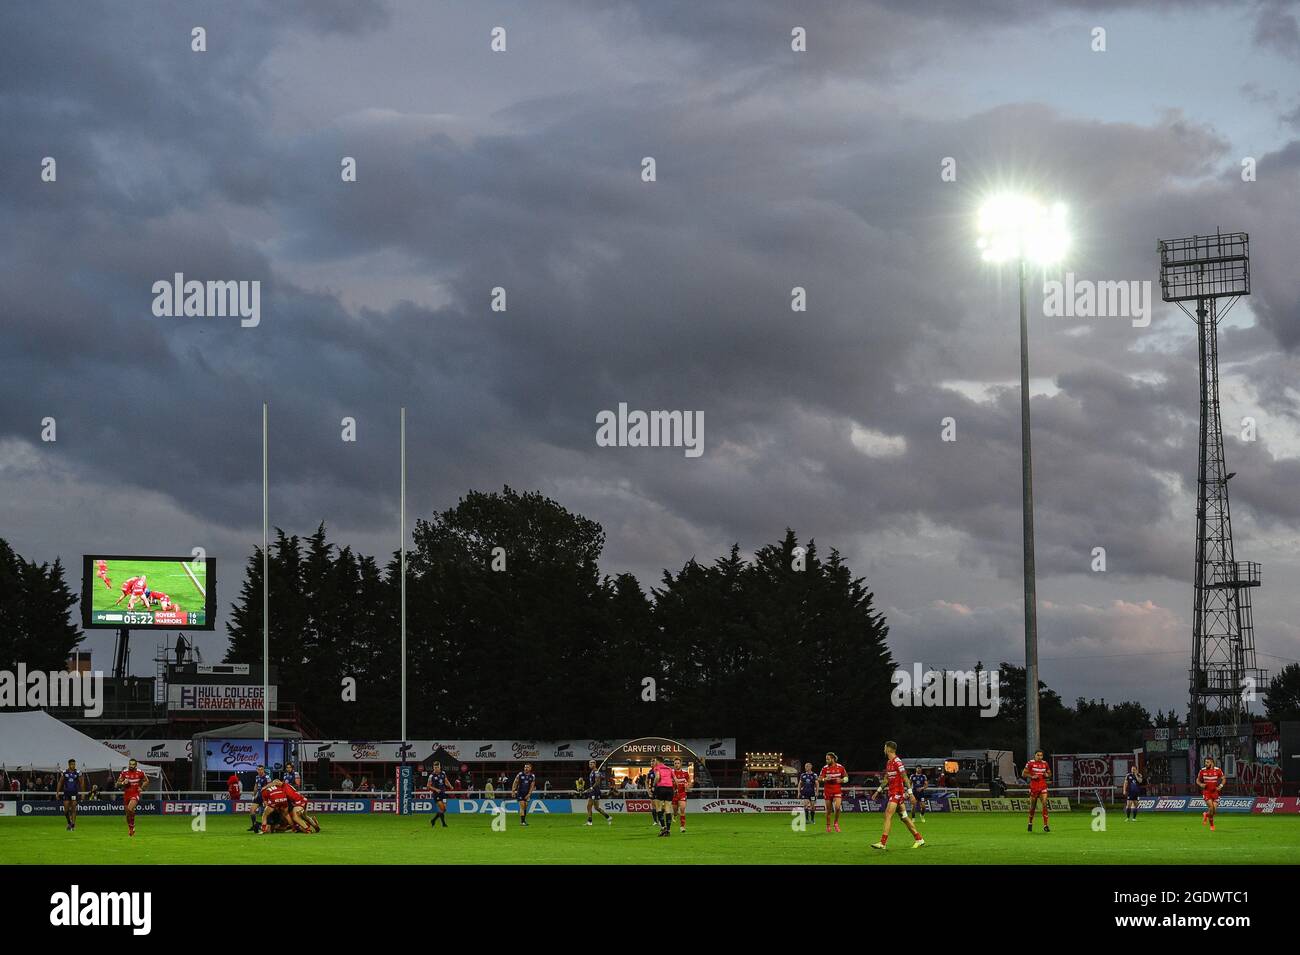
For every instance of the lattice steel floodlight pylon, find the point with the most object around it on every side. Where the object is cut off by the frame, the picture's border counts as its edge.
(1205, 270)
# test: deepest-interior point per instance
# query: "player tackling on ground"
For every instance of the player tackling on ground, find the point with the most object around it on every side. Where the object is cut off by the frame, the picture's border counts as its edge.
(831, 780)
(132, 781)
(899, 792)
(297, 809)
(275, 808)
(595, 785)
(134, 589)
(1038, 773)
(1210, 778)
(164, 602)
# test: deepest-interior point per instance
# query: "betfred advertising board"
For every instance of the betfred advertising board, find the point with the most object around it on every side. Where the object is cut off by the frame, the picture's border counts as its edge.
(1226, 804)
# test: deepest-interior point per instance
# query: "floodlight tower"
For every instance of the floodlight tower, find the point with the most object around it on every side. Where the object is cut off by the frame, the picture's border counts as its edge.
(1022, 230)
(1206, 270)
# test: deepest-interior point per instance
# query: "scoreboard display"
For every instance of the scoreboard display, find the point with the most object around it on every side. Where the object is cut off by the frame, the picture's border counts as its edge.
(160, 593)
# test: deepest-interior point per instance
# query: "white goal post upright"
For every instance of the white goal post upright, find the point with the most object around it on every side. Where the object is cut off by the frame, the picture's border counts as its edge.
(266, 590)
(401, 569)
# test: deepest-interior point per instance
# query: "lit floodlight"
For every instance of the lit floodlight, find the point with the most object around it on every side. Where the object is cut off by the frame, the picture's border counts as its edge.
(1013, 227)
(1016, 228)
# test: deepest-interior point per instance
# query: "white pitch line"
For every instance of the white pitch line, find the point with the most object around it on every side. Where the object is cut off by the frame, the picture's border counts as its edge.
(194, 580)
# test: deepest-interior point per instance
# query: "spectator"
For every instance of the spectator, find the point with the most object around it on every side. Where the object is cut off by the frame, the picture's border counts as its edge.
(578, 784)
(347, 783)
(365, 785)
(488, 790)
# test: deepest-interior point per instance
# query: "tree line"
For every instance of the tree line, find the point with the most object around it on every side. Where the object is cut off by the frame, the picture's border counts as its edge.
(36, 623)
(514, 632)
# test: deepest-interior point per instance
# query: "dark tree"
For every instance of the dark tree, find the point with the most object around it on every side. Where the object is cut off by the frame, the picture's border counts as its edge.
(513, 632)
(36, 624)
(1283, 698)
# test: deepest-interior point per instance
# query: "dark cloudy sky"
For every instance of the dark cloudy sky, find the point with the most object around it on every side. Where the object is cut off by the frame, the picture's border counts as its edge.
(775, 169)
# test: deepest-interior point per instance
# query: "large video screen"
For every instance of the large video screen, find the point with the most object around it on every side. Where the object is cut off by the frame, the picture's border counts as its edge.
(168, 593)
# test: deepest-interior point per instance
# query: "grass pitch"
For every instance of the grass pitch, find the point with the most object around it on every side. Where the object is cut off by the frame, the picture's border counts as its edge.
(953, 839)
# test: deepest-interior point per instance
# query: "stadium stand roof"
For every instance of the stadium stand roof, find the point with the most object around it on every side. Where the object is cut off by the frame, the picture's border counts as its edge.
(36, 740)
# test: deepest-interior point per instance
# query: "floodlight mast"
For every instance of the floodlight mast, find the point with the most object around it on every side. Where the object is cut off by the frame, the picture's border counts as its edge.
(1204, 270)
(1032, 724)
(1019, 229)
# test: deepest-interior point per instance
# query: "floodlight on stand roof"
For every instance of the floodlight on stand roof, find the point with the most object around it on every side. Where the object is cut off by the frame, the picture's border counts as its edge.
(1013, 227)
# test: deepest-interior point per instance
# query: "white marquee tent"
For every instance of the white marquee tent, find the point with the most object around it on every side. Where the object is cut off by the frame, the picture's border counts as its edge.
(37, 741)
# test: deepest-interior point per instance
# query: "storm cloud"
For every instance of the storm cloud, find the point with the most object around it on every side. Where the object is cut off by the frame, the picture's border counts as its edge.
(522, 170)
